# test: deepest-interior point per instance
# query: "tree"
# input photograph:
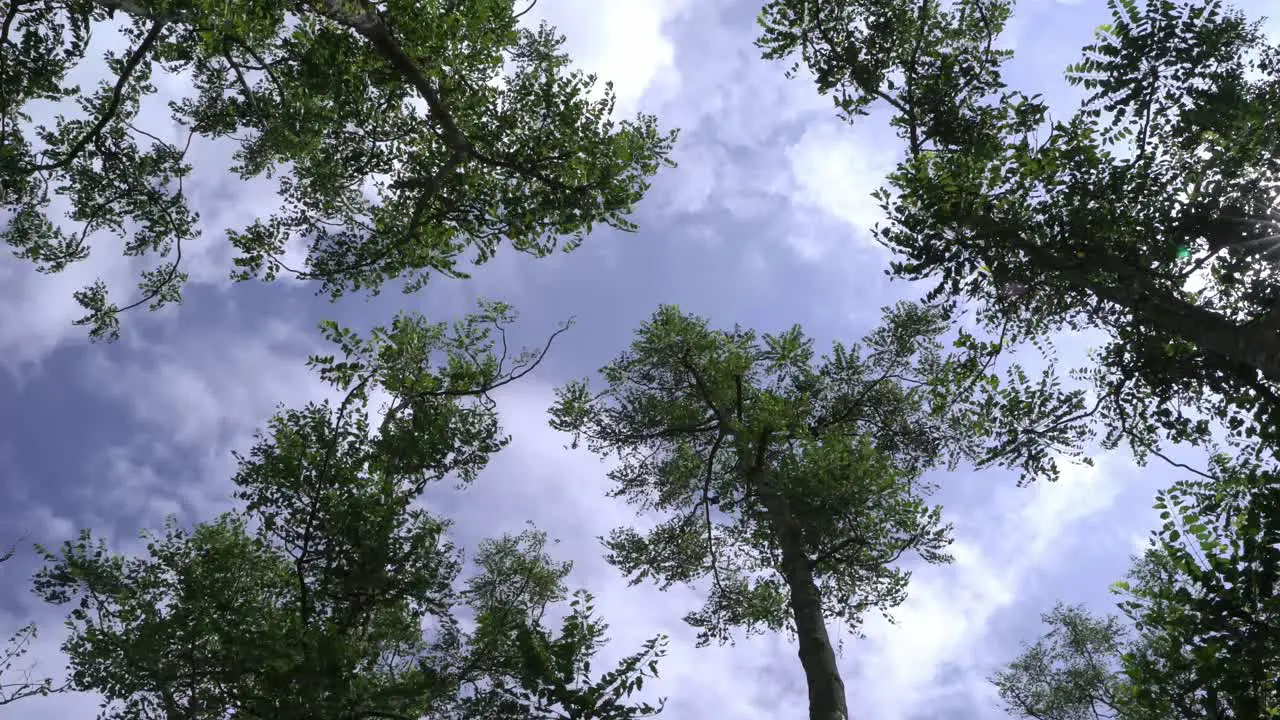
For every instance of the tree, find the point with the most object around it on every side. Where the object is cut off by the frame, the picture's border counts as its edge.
(1164, 178)
(331, 593)
(1202, 606)
(401, 145)
(794, 486)
(17, 684)
(1072, 672)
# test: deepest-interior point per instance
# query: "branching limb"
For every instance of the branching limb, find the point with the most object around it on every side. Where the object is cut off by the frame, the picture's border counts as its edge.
(706, 504)
(835, 552)
(113, 103)
(703, 391)
(501, 377)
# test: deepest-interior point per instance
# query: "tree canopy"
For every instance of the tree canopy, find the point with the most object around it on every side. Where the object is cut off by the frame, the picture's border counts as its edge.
(16, 679)
(331, 592)
(1201, 607)
(408, 139)
(1150, 212)
(792, 483)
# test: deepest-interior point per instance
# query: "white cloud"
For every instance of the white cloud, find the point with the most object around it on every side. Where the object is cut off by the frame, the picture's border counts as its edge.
(38, 523)
(698, 182)
(622, 42)
(208, 385)
(189, 400)
(999, 547)
(192, 401)
(763, 147)
(37, 311)
(835, 168)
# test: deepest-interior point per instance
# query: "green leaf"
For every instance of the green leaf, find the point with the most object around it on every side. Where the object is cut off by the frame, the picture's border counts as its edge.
(330, 587)
(401, 149)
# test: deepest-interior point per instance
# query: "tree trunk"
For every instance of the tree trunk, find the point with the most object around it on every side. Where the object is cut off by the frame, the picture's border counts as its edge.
(1256, 346)
(821, 674)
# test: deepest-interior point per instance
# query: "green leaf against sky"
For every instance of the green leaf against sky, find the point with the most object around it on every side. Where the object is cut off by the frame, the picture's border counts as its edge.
(332, 592)
(409, 138)
(1149, 213)
(17, 681)
(792, 484)
(1196, 636)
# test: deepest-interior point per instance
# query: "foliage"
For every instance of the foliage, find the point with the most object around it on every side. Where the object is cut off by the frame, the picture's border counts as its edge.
(333, 593)
(1071, 673)
(17, 684)
(406, 137)
(1202, 605)
(794, 483)
(1149, 212)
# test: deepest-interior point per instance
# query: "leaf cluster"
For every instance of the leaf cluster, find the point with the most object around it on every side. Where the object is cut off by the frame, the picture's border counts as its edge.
(740, 449)
(1201, 607)
(407, 139)
(333, 592)
(1149, 212)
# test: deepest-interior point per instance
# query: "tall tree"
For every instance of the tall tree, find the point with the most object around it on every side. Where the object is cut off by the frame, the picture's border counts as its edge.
(16, 682)
(1150, 212)
(1202, 604)
(408, 136)
(1072, 672)
(331, 593)
(794, 484)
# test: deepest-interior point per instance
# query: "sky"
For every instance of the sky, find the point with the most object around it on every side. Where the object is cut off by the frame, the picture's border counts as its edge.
(765, 223)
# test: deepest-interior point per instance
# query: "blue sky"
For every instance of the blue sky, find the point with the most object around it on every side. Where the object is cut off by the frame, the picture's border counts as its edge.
(765, 224)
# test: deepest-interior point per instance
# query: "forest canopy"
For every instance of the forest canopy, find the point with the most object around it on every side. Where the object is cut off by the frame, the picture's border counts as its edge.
(406, 139)
(788, 489)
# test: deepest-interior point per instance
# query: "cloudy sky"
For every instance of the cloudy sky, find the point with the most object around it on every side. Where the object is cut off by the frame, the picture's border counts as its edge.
(764, 223)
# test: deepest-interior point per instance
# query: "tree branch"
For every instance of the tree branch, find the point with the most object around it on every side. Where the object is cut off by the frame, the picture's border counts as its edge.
(483, 390)
(703, 391)
(362, 17)
(706, 502)
(113, 104)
